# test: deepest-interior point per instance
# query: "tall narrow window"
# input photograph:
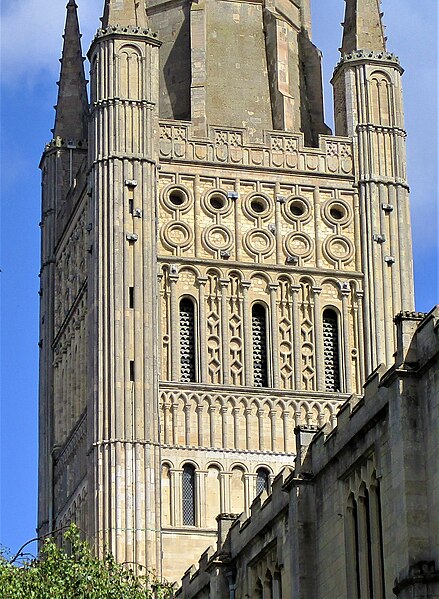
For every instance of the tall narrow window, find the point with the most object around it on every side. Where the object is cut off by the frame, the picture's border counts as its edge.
(262, 480)
(331, 350)
(259, 334)
(187, 341)
(188, 494)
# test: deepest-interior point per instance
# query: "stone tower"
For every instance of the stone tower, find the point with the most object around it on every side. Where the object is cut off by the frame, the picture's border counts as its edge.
(217, 267)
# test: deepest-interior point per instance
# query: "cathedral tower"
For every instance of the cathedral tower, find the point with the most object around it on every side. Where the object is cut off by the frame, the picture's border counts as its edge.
(218, 270)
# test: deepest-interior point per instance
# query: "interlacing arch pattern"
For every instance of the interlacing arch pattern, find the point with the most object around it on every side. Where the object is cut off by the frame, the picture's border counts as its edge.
(241, 422)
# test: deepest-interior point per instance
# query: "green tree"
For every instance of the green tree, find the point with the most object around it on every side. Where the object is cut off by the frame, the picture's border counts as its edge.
(76, 574)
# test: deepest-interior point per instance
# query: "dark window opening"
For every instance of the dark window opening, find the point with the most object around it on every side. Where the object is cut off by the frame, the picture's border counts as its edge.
(331, 350)
(259, 335)
(187, 341)
(262, 480)
(188, 494)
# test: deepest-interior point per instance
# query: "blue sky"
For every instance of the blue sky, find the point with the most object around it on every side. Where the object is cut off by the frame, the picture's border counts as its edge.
(30, 48)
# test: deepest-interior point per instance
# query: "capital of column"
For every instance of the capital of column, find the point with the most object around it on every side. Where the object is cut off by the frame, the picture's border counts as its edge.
(273, 287)
(224, 283)
(345, 288)
(202, 281)
(295, 289)
(245, 285)
(317, 290)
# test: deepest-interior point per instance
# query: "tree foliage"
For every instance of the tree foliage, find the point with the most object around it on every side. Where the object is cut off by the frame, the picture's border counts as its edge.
(76, 574)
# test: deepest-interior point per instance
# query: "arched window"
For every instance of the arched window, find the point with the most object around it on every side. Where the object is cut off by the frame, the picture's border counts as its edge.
(262, 480)
(259, 335)
(331, 350)
(188, 495)
(187, 341)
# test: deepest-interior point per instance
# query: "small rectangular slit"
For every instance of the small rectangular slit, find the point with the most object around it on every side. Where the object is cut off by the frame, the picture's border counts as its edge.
(132, 370)
(131, 297)
(131, 205)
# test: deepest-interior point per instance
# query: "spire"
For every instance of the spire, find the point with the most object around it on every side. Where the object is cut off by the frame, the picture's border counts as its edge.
(72, 106)
(363, 26)
(124, 13)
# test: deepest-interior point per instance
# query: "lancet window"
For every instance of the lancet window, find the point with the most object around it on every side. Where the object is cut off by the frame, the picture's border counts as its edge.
(331, 350)
(364, 542)
(262, 480)
(188, 495)
(187, 341)
(259, 335)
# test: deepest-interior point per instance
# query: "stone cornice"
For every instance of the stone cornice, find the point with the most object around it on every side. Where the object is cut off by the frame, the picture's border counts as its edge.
(371, 57)
(118, 31)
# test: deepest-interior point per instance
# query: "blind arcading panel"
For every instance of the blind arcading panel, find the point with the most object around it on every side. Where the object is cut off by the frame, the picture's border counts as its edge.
(259, 332)
(330, 345)
(187, 341)
(188, 493)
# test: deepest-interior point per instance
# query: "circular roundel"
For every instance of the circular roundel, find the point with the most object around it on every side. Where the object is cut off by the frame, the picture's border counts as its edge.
(217, 238)
(177, 234)
(337, 212)
(259, 242)
(176, 197)
(258, 205)
(339, 249)
(217, 202)
(296, 209)
(299, 244)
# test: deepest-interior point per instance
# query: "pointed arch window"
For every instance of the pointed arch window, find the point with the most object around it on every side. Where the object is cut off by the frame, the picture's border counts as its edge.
(331, 350)
(188, 495)
(187, 341)
(262, 480)
(259, 337)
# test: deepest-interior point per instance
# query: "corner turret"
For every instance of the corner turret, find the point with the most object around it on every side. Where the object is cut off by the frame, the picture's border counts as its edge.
(368, 107)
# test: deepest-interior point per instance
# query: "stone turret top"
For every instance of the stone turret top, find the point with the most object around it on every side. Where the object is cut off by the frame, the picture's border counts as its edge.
(72, 105)
(363, 26)
(125, 13)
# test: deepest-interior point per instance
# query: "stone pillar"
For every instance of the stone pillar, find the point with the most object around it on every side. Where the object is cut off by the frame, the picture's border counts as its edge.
(274, 322)
(318, 335)
(297, 344)
(248, 341)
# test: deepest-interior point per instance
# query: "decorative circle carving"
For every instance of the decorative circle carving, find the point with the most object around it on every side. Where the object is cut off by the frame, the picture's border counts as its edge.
(339, 249)
(259, 242)
(217, 238)
(337, 212)
(296, 209)
(176, 197)
(258, 205)
(298, 244)
(216, 202)
(286, 348)
(177, 234)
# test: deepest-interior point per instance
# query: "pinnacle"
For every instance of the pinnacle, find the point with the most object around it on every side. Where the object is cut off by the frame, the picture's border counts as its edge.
(72, 106)
(125, 13)
(363, 26)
